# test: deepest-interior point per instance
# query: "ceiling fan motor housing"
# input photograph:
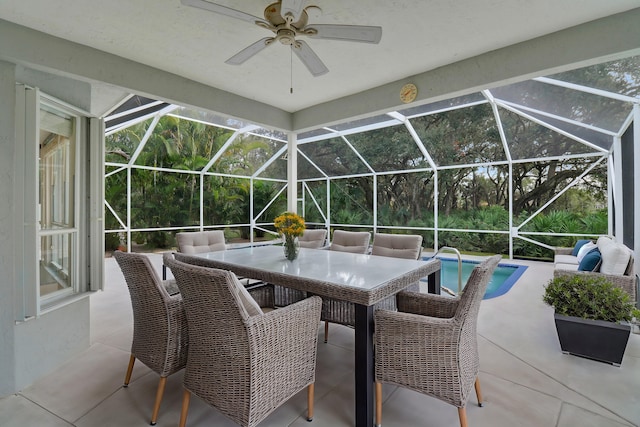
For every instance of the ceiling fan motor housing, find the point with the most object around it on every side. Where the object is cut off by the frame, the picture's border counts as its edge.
(286, 36)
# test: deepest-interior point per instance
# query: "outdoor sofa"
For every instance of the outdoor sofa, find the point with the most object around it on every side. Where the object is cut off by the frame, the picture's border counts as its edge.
(603, 258)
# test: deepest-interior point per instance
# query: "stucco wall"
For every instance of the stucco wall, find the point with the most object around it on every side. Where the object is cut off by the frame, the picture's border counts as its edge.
(31, 349)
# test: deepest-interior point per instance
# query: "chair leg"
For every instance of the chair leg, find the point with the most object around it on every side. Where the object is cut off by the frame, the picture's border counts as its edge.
(159, 394)
(186, 397)
(378, 404)
(127, 377)
(478, 391)
(462, 414)
(326, 331)
(310, 397)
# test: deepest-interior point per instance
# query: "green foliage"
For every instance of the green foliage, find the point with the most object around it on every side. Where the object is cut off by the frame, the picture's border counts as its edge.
(111, 241)
(589, 298)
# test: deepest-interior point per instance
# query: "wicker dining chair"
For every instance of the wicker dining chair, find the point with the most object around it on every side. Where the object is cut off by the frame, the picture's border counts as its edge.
(314, 239)
(336, 311)
(160, 337)
(196, 242)
(430, 344)
(244, 362)
(350, 241)
(407, 246)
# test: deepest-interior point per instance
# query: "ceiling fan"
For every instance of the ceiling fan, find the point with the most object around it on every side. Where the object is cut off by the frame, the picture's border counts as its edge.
(288, 19)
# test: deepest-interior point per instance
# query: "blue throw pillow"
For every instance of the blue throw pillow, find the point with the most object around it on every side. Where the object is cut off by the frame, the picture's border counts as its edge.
(590, 261)
(579, 244)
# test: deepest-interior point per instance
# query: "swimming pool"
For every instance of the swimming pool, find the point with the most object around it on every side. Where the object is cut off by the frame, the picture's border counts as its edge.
(503, 278)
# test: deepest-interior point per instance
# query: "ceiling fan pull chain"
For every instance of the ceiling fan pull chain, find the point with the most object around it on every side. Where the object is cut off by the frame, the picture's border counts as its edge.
(291, 68)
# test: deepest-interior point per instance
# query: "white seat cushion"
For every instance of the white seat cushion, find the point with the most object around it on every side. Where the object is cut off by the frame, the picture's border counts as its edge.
(407, 246)
(568, 267)
(201, 241)
(565, 259)
(350, 241)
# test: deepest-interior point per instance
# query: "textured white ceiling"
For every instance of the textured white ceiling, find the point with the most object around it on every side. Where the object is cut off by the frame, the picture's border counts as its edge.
(417, 36)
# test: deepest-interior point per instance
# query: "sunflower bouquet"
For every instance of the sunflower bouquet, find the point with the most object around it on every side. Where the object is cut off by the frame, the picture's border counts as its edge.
(289, 226)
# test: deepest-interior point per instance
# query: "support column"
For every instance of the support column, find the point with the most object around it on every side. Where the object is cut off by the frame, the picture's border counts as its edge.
(292, 173)
(9, 228)
(636, 184)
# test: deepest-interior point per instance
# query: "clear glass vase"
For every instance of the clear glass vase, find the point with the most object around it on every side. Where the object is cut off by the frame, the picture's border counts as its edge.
(291, 247)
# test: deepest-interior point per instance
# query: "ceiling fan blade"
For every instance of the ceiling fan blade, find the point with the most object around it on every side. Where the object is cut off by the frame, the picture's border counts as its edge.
(222, 10)
(249, 51)
(294, 7)
(309, 58)
(351, 33)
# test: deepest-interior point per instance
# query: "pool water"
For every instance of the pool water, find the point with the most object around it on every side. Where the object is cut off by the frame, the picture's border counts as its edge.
(504, 276)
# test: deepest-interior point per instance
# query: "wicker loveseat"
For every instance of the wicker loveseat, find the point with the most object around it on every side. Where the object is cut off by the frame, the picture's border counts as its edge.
(604, 258)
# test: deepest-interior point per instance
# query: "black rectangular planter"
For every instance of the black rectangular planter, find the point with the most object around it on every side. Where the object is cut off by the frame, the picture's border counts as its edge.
(593, 339)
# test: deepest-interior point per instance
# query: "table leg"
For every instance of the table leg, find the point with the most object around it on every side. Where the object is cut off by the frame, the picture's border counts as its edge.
(364, 365)
(433, 286)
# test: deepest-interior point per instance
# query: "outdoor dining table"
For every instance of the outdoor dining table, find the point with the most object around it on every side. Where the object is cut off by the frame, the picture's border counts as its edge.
(361, 279)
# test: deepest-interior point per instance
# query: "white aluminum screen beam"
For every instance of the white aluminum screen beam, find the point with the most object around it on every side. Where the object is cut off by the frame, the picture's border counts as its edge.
(587, 89)
(548, 126)
(559, 118)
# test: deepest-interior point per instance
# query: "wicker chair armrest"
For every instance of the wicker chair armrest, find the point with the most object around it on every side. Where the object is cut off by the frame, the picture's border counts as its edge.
(177, 336)
(562, 251)
(627, 283)
(301, 319)
(427, 304)
(403, 336)
(283, 347)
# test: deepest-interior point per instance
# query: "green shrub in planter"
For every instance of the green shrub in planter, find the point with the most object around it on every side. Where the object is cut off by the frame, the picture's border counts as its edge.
(589, 298)
(587, 315)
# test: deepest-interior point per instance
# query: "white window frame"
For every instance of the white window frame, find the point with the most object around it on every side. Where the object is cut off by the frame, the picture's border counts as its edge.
(88, 228)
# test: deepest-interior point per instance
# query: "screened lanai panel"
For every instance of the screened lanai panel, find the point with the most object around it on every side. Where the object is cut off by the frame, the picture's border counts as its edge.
(444, 105)
(529, 140)
(621, 76)
(267, 203)
(389, 149)
(210, 118)
(132, 111)
(225, 200)
(461, 136)
(536, 183)
(363, 123)
(246, 154)
(314, 134)
(352, 201)
(594, 110)
(182, 144)
(314, 196)
(276, 168)
(270, 134)
(115, 185)
(120, 146)
(600, 139)
(164, 199)
(334, 157)
(405, 199)
(307, 170)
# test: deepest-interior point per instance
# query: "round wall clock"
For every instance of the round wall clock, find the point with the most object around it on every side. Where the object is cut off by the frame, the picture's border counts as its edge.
(408, 93)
